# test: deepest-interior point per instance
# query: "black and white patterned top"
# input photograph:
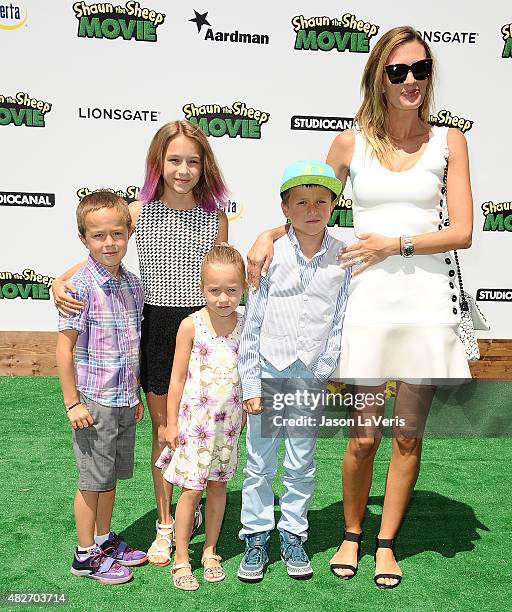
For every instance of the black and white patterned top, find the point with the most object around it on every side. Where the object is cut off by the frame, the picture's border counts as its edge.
(171, 245)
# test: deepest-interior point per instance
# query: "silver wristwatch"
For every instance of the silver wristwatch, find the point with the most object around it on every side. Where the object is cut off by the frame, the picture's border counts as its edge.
(407, 247)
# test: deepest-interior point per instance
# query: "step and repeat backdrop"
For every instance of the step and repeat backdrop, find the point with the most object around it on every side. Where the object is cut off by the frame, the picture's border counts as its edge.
(84, 86)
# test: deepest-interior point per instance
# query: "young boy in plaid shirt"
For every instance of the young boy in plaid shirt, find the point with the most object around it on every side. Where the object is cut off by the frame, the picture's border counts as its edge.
(100, 386)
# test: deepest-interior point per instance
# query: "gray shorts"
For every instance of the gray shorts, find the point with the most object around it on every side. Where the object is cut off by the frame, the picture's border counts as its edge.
(104, 450)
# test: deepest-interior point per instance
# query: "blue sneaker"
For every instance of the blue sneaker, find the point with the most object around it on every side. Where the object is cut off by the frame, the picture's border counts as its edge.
(294, 556)
(255, 557)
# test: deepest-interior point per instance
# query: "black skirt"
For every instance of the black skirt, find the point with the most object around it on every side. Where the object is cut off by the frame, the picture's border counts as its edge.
(158, 341)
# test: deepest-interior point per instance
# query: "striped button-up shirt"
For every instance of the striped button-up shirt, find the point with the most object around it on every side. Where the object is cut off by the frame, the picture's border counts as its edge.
(249, 360)
(108, 344)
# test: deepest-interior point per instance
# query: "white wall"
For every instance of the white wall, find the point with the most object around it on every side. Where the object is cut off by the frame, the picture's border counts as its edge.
(46, 59)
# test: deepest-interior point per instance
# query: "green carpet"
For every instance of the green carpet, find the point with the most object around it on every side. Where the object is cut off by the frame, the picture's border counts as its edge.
(454, 547)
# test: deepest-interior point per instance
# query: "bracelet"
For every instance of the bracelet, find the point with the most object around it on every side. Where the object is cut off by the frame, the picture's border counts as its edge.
(73, 406)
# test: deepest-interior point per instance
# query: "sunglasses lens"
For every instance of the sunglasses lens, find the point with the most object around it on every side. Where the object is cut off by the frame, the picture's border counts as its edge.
(397, 73)
(422, 69)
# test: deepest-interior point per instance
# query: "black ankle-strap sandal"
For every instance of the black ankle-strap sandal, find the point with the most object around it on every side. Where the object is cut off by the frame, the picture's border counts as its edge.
(383, 543)
(350, 537)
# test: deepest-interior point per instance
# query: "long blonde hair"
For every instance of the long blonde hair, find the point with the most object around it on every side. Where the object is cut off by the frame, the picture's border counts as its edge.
(371, 118)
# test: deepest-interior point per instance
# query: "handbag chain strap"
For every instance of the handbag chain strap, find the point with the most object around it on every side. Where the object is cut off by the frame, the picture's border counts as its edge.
(463, 302)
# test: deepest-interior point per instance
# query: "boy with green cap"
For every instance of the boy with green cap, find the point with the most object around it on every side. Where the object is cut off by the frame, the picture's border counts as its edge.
(292, 330)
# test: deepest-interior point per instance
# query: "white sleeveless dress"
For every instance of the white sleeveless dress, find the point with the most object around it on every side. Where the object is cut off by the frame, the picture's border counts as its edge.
(402, 314)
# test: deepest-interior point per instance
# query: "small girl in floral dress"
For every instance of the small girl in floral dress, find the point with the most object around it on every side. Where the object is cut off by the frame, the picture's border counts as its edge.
(204, 411)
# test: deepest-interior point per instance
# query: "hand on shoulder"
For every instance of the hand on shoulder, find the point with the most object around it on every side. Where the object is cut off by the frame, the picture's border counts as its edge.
(70, 297)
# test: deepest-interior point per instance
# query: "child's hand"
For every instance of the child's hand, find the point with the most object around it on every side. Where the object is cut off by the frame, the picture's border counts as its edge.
(253, 405)
(64, 303)
(259, 258)
(171, 436)
(80, 417)
(139, 412)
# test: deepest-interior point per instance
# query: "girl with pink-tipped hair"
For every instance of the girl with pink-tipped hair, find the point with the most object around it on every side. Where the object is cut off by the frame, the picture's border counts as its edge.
(179, 216)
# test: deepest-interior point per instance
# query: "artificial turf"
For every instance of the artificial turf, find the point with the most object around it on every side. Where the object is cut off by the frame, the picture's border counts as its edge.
(454, 546)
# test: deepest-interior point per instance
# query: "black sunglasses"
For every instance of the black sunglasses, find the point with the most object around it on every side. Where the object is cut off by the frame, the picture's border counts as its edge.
(397, 73)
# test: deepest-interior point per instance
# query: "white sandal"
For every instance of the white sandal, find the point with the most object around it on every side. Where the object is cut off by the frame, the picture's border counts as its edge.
(215, 573)
(187, 582)
(157, 549)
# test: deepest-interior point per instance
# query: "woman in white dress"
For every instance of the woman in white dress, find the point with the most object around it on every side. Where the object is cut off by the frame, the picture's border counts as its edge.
(403, 308)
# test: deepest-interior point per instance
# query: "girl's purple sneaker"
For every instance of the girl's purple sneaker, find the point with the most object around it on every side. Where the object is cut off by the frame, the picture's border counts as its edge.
(99, 567)
(119, 550)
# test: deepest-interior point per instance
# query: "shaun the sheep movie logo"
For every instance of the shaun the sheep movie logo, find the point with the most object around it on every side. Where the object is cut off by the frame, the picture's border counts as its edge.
(235, 120)
(327, 33)
(25, 285)
(11, 17)
(130, 194)
(444, 117)
(506, 32)
(341, 215)
(105, 20)
(21, 109)
(497, 217)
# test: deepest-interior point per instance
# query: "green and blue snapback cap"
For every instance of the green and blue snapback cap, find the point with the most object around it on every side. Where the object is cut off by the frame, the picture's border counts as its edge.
(310, 172)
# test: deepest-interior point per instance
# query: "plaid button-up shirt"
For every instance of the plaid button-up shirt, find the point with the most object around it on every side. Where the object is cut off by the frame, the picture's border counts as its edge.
(108, 343)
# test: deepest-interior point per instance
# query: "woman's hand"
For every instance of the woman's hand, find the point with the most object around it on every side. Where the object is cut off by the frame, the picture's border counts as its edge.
(259, 258)
(64, 303)
(371, 249)
(171, 436)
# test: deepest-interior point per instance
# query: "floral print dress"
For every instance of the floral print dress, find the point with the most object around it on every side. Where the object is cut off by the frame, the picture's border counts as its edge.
(210, 413)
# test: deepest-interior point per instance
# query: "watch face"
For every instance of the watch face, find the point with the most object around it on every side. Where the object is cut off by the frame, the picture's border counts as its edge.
(408, 250)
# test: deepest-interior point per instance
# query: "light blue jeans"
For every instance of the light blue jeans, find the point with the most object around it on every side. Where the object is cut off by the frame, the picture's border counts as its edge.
(299, 467)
